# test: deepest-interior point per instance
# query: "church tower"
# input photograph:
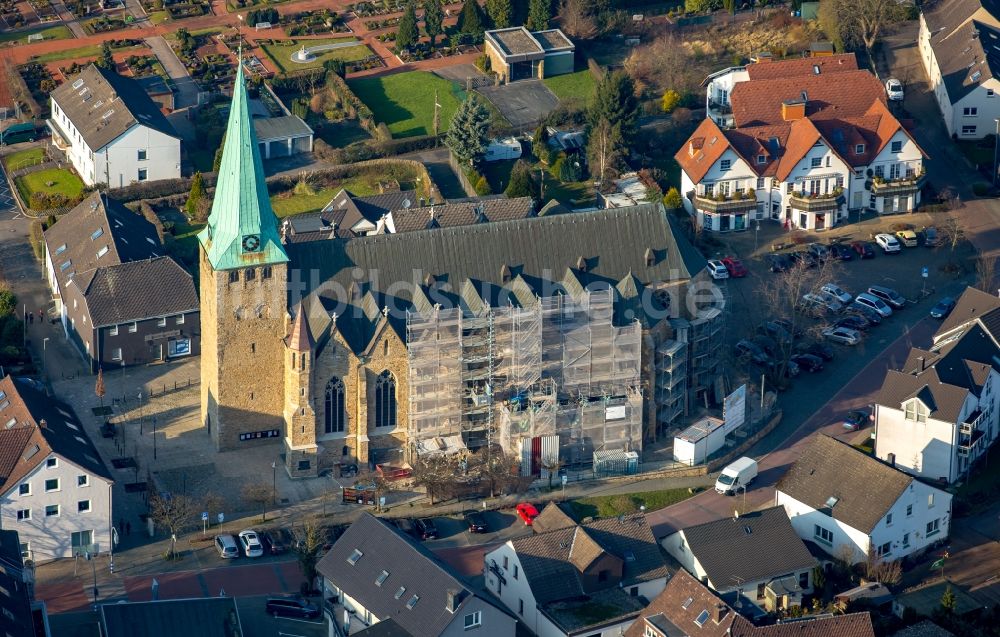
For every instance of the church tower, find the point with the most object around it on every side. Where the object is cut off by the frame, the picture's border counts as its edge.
(244, 302)
(300, 416)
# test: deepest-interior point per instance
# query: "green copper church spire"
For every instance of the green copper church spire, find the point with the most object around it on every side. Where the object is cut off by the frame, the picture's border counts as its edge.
(242, 230)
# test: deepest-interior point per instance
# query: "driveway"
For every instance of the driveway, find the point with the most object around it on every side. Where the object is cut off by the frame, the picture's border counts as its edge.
(522, 103)
(187, 89)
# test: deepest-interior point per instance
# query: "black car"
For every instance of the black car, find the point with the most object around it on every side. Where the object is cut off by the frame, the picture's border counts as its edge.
(749, 350)
(808, 362)
(787, 326)
(425, 529)
(276, 541)
(778, 263)
(291, 606)
(854, 322)
(840, 252)
(108, 429)
(775, 331)
(476, 522)
(817, 348)
(804, 258)
(869, 314)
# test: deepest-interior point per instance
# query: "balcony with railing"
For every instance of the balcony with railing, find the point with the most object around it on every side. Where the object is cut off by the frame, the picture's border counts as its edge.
(737, 203)
(808, 202)
(899, 186)
(971, 422)
(972, 445)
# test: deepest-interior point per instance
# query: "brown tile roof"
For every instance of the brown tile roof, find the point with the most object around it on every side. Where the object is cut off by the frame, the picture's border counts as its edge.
(778, 69)
(136, 290)
(552, 517)
(704, 147)
(465, 213)
(944, 400)
(755, 546)
(24, 443)
(674, 613)
(964, 35)
(864, 488)
(972, 305)
(849, 94)
(300, 339)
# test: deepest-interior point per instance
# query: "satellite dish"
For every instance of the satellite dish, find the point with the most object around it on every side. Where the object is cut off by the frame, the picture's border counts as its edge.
(407, 204)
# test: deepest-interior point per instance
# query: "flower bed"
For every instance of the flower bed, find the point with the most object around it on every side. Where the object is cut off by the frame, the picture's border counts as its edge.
(368, 9)
(39, 82)
(188, 10)
(313, 23)
(103, 24)
(375, 25)
(145, 65)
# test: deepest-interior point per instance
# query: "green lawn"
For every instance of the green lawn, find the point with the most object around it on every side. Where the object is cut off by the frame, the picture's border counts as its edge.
(63, 182)
(59, 32)
(363, 184)
(573, 86)
(606, 506)
(158, 17)
(24, 158)
(281, 53)
(184, 247)
(976, 151)
(298, 204)
(72, 54)
(405, 101)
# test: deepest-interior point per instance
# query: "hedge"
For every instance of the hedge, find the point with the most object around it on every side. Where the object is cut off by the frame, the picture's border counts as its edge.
(160, 188)
(36, 239)
(339, 86)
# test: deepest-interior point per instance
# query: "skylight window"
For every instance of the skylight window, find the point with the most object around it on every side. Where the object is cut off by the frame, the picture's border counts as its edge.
(10, 423)
(108, 114)
(687, 602)
(65, 265)
(96, 233)
(61, 249)
(975, 76)
(832, 501)
(103, 251)
(399, 593)
(701, 618)
(384, 575)
(77, 84)
(413, 602)
(355, 556)
(629, 555)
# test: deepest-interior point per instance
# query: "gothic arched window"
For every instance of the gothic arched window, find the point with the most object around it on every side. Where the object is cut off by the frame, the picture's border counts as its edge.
(385, 400)
(335, 415)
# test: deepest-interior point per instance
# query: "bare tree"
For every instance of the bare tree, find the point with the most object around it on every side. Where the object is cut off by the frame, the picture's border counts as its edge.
(552, 464)
(952, 234)
(307, 546)
(257, 494)
(174, 513)
(382, 489)
(576, 19)
(664, 63)
(861, 22)
(881, 570)
(986, 273)
(495, 467)
(604, 150)
(434, 473)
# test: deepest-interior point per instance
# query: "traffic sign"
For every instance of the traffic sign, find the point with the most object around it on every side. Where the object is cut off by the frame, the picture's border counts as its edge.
(924, 272)
(204, 516)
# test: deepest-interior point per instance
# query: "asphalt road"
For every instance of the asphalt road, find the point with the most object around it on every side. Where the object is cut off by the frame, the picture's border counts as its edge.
(257, 623)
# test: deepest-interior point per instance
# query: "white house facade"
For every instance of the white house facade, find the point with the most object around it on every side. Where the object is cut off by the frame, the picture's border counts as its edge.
(112, 132)
(794, 149)
(953, 40)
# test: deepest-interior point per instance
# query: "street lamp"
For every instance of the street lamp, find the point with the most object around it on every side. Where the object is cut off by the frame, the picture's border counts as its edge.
(154, 437)
(45, 341)
(274, 482)
(140, 413)
(995, 144)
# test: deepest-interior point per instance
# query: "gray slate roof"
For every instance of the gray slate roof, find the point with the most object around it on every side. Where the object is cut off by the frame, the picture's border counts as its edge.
(137, 290)
(462, 214)
(109, 106)
(973, 305)
(208, 617)
(756, 546)
(410, 566)
(964, 34)
(926, 628)
(270, 128)
(99, 222)
(865, 487)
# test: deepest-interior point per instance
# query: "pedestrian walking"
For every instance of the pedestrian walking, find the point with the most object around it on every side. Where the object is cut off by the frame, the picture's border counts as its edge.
(31, 317)
(40, 315)
(128, 528)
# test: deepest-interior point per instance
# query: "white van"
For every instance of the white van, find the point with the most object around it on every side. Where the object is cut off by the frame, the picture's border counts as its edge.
(738, 475)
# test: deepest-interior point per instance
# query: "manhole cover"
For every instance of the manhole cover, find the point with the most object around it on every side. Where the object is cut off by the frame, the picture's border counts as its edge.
(135, 487)
(101, 411)
(123, 463)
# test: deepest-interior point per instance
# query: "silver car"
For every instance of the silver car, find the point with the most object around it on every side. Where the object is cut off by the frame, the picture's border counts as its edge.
(873, 302)
(842, 335)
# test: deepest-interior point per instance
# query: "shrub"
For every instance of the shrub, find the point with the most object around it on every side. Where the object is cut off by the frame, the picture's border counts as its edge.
(671, 99)
(482, 186)
(483, 63)
(555, 168)
(570, 170)
(672, 200)
(36, 240)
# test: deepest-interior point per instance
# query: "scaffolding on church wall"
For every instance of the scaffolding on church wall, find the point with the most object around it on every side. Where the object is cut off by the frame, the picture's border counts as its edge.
(512, 375)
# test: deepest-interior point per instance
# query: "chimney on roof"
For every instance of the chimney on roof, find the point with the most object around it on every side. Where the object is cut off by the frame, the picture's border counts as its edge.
(891, 459)
(923, 363)
(719, 613)
(43, 423)
(452, 601)
(792, 110)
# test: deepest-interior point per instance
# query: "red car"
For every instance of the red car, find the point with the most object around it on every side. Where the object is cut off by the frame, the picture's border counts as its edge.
(735, 267)
(527, 512)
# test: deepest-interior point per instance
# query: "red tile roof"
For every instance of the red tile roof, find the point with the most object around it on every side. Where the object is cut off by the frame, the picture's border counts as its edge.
(848, 94)
(704, 147)
(802, 66)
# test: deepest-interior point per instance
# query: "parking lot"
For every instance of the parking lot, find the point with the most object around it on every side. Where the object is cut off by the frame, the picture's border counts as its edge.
(257, 623)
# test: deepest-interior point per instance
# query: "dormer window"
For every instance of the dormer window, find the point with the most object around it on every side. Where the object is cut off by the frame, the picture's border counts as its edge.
(859, 149)
(725, 164)
(915, 411)
(761, 159)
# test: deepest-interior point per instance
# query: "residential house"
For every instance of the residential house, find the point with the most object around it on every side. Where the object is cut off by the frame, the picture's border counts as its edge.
(687, 608)
(20, 614)
(207, 617)
(938, 415)
(577, 579)
(516, 53)
(56, 491)
(374, 573)
(755, 556)
(957, 43)
(120, 301)
(850, 504)
(111, 130)
(803, 142)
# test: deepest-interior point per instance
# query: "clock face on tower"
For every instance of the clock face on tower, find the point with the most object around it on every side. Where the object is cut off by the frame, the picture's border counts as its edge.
(251, 243)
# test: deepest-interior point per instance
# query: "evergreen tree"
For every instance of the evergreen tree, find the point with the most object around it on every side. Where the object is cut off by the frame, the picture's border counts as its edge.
(614, 100)
(106, 61)
(433, 19)
(470, 21)
(539, 14)
(196, 195)
(521, 184)
(501, 13)
(948, 601)
(467, 135)
(407, 34)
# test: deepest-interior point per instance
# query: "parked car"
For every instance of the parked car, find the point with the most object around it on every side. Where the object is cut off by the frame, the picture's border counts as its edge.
(817, 348)
(778, 263)
(873, 302)
(291, 606)
(943, 308)
(823, 299)
(250, 543)
(108, 429)
(425, 528)
(752, 351)
(932, 238)
(476, 522)
(735, 267)
(842, 335)
(226, 545)
(772, 329)
(894, 90)
(841, 252)
(888, 243)
(907, 237)
(837, 292)
(855, 322)
(770, 347)
(788, 327)
(717, 269)
(819, 251)
(855, 419)
(527, 512)
(864, 249)
(739, 474)
(871, 315)
(806, 259)
(276, 541)
(890, 296)
(808, 362)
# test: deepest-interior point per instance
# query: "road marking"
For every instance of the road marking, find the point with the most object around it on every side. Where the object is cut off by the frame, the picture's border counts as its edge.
(301, 621)
(281, 634)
